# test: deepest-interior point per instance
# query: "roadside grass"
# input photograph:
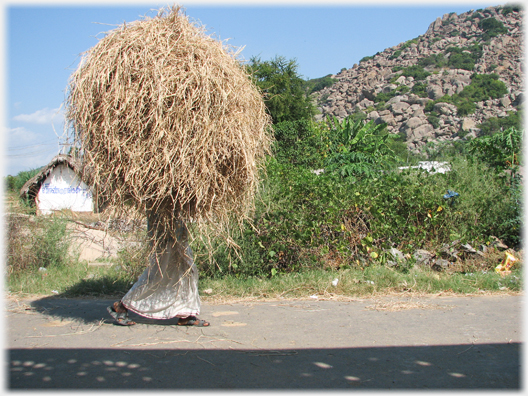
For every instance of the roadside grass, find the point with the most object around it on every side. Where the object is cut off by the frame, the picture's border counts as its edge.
(79, 280)
(40, 261)
(351, 283)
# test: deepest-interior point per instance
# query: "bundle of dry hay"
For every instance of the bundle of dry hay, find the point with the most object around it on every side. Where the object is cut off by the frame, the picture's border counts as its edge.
(167, 118)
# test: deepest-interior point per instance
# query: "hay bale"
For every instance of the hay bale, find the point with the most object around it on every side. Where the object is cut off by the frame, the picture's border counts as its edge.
(166, 117)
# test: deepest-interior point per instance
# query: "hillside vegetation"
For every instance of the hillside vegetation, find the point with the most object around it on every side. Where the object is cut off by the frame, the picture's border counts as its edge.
(462, 78)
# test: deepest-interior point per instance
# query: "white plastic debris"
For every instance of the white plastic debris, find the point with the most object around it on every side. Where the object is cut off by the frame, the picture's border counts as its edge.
(335, 281)
(55, 292)
(314, 297)
(42, 269)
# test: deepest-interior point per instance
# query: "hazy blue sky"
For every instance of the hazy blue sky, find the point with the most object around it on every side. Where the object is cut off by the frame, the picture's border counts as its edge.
(43, 42)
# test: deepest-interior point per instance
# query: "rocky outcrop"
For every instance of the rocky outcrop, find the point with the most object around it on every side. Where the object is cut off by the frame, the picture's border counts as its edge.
(356, 89)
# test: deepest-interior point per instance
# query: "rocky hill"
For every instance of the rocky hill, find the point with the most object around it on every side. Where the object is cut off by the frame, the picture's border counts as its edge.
(411, 87)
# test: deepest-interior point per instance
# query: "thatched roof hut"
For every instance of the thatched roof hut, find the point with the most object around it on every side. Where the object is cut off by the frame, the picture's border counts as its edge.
(61, 184)
(169, 121)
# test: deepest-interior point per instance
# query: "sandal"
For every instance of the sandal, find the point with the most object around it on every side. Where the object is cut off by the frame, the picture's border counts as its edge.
(121, 318)
(192, 321)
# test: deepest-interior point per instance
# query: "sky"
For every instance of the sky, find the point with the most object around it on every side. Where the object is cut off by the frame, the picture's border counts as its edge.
(43, 43)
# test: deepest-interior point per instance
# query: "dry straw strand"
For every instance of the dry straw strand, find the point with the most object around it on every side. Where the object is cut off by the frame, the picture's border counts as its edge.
(167, 118)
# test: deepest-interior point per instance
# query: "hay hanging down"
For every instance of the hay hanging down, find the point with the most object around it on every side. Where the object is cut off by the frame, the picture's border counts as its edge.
(167, 117)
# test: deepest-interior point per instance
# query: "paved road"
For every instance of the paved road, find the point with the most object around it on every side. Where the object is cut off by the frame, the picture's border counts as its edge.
(385, 343)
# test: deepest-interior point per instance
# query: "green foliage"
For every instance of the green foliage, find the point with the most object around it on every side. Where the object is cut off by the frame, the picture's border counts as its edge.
(466, 107)
(482, 87)
(283, 88)
(496, 124)
(317, 84)
(358, 149)
(366, 58)
(15, 183)
(306, 221)
(420, 89)
(511, 8)
(395, 55)
(415, 71)
(383, 97)
(34, 242)
(408, 43)
(301, 143)
(433, 120)
(435, 60)
(500, 151)
(492, 27)
(461, 60)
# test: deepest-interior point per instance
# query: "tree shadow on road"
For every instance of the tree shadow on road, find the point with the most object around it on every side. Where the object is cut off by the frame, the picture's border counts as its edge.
(482, 366)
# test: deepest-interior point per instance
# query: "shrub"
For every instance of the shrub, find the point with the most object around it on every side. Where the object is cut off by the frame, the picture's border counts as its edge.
(436, 60)
(483, 87)
(358, 149)
(492, 27)
(300, 143)
(501, 150)
(366, 58)
(434, 120)
(465, 108)
(464, 58)
(417, 72)
(395, 55)
(318, 84)
(408, 43)
(496, 124)
(510, 8)
(34, 242)
(15, 183)
(420, 89)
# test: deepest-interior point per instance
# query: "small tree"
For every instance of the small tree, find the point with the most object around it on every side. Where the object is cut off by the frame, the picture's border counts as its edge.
(283, 88)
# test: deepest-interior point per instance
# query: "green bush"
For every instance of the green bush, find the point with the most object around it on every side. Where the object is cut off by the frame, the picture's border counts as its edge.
(300, 143)
(466, 107)
(465, 57)
(416, 71)
(15, 183)
(495, 124)
(358, 149)
(284, 94)
(408, 43)
(482, 87)
(420, 89)
(492, 27)
(436, 60)
(318, 84)
(366, 58)
(434, 120)
(510, 8)
(395, 55)
(34, 242)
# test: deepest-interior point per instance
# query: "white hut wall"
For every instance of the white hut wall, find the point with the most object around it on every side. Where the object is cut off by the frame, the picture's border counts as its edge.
(63, 189)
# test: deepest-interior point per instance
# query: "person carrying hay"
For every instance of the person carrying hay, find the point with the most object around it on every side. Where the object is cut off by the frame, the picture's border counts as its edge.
(168, 124)
(168, 287)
